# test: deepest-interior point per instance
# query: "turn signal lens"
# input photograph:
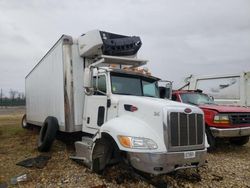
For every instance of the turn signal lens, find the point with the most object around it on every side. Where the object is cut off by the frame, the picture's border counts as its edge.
(137, 142)
(125, 141)
(223, 119)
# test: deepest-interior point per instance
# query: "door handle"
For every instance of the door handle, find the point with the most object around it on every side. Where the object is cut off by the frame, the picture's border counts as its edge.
(108, 103)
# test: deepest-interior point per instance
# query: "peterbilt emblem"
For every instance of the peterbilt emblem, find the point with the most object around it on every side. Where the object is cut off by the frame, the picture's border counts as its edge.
(187, 110)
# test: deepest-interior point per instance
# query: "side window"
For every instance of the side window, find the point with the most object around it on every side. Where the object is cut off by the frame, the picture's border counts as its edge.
(101, 85)
(149, 89)
(174, 97)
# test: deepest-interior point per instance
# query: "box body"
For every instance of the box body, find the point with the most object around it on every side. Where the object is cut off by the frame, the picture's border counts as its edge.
(54, 87)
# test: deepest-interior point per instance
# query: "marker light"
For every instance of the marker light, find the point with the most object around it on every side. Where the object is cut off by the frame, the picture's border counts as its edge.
(129, 107)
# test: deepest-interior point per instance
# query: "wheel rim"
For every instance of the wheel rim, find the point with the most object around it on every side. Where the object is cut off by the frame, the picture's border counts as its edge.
(24, 122)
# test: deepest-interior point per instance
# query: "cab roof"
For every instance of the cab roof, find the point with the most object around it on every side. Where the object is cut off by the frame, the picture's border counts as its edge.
(130, 72)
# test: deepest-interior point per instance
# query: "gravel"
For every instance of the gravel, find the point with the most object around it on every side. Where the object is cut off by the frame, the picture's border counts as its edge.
(228, 166)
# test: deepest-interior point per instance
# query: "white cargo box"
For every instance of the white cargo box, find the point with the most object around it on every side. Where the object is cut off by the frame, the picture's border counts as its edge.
(54, 87)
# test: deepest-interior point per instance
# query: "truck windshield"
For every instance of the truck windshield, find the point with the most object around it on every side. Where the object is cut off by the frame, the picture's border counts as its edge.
(133, 85)
(196, 98)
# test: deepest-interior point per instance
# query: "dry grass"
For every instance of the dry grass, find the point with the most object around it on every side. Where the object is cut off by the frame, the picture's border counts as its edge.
(229, 166)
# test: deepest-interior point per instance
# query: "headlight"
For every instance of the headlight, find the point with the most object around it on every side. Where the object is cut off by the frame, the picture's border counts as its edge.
(221, 118)
(137, 142)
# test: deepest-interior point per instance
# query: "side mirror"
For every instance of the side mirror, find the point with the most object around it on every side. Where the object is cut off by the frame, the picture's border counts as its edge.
(88, 78)
(88, 81)
(165, 89)
(168, 91)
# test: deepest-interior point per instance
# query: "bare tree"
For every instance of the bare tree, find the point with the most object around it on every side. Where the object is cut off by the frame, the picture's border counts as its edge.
(19, 94)
(1, 96)
(22, 95)
(13, 94)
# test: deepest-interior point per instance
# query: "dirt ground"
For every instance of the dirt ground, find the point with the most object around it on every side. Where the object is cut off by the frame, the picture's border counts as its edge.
(228, 166)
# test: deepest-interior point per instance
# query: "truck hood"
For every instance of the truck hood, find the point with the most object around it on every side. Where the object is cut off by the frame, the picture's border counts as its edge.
(149, 120)
(147, 104)
(222, 108)
(151, 101)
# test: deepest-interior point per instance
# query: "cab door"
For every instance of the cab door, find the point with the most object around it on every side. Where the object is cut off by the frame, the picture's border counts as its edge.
(95, 106)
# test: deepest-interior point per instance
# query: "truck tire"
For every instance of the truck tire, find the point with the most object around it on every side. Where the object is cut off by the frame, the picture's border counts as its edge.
(211, 140)
(24, 123)
(101, 155)
(47, 134)
(239, 141)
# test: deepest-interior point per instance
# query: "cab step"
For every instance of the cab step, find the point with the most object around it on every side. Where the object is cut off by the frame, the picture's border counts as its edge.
(84, 151)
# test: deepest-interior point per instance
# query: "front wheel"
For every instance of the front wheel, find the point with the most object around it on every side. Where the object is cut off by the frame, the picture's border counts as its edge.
(240, 141)
(101, 155)
(47, 134)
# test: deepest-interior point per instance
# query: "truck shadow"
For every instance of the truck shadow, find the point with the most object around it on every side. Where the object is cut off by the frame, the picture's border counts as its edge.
(224, 146)
(69, 139)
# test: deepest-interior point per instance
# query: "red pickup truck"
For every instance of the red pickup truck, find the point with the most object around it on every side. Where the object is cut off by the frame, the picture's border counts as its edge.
(230, 122)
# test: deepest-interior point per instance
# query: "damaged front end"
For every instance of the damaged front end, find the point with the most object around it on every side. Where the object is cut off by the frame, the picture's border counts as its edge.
(184, 138)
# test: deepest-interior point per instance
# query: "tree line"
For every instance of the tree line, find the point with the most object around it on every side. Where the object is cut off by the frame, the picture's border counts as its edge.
(15, 98)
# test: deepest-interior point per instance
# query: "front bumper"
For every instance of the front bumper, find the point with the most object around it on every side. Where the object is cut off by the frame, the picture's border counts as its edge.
(230, 132)
(161, 163)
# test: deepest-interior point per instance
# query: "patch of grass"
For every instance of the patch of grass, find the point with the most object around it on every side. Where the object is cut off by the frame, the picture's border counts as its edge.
(6, 118)
(10, 126)
(8, 131)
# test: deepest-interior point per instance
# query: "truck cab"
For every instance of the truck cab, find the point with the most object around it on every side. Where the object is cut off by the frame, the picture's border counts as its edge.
(129, 118)
(155, 135)
(228, 122)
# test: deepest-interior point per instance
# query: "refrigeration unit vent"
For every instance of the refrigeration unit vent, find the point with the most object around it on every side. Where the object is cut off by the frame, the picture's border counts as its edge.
(96, 43)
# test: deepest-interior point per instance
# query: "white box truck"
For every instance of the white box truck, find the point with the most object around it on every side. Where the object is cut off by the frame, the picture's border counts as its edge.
(94, 84)
(230, 89)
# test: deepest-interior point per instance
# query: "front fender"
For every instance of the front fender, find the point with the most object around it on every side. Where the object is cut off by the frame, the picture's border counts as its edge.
(131, 126)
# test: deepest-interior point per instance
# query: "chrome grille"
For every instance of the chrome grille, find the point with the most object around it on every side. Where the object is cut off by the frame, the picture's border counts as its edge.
(185, 130)
(241, 118)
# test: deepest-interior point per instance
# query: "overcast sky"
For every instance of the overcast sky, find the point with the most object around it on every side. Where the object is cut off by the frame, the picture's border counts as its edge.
(180, 37)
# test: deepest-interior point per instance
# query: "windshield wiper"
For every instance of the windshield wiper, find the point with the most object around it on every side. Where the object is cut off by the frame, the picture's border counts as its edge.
(192, 103)
(126, 94)
(208, 103)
